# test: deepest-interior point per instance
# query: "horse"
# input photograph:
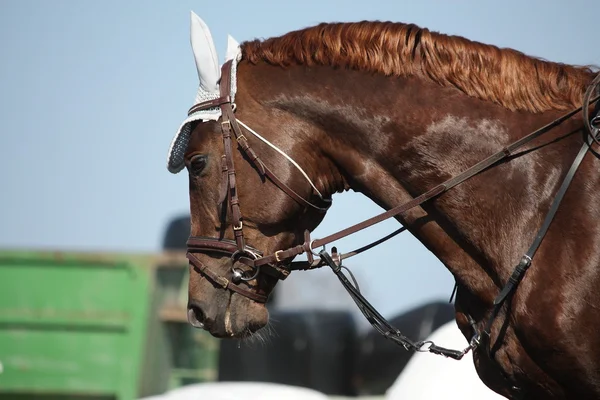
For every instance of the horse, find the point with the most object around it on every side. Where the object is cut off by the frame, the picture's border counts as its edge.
(469, 146)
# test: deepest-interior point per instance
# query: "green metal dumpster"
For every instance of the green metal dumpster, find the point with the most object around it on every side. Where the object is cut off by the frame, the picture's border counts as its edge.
(95, 326)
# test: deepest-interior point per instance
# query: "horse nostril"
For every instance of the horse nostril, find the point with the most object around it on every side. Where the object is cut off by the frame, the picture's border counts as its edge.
(196, 317)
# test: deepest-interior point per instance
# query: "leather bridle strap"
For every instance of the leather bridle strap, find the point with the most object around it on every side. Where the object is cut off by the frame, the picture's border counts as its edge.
(223, 246)
(229, 248)
(210, 104)
(227, 124)
(222, 281)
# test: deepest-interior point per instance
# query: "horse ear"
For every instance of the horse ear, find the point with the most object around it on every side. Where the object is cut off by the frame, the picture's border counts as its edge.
(205, 55)
(233, 49)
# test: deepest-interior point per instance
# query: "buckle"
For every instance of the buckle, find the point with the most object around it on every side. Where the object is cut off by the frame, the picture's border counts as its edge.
(238, 227)
(226, 123)
(277, 255)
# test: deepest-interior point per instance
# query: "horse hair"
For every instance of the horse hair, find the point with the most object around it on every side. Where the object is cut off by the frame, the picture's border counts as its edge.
(504, 76)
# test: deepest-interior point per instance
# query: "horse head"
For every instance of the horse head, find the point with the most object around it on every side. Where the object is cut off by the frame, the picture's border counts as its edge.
(244, 204)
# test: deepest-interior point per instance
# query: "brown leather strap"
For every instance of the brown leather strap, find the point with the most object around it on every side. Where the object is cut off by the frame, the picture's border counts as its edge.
(227, 121)
(280, 256)
(225, 82)
(252, 156)
(274, 270)
(266, 171)
(290, 192)
(210, 104)
(234, 202)
(381, 217)
(260, 298)
(224, 282)
(224, 181)
(211, 244)
(229, 247)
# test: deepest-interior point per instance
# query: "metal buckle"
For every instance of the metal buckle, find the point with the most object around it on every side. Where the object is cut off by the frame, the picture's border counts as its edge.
(226, 122)
(239, 227)
(277, 253)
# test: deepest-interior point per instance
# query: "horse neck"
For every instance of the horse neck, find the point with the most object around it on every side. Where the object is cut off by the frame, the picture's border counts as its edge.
(393, 139)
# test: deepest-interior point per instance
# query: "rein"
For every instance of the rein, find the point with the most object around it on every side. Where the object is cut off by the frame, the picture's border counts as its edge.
(278, 264)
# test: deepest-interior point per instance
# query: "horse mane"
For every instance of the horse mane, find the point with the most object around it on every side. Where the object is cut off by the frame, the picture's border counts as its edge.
(504, 76)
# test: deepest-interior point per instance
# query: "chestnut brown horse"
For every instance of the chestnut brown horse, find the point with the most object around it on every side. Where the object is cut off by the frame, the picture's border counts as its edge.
(393, 110)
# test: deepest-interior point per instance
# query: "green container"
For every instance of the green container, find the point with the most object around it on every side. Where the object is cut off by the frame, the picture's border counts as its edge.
(95, 326)
(191, 354)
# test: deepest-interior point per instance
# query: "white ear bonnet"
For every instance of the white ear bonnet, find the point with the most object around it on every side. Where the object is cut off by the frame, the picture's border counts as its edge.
(209, 74)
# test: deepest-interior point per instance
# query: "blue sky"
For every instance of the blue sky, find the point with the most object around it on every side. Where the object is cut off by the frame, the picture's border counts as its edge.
(91, 94)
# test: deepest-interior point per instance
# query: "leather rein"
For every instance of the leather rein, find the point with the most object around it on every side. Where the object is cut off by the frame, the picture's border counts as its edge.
(278, 264)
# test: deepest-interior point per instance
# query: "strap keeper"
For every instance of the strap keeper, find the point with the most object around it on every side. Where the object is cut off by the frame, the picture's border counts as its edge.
(514, 279)
(523, 264)
(223, 282)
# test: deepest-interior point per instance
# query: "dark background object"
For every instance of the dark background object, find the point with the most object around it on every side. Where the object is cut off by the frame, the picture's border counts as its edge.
(380, 361)
(177, 233)
(312, 349)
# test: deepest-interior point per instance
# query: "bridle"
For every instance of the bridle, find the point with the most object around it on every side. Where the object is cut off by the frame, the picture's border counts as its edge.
(278, 264)
(237, 249)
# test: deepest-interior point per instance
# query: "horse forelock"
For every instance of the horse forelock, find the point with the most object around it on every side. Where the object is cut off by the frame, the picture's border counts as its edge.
(504, 76)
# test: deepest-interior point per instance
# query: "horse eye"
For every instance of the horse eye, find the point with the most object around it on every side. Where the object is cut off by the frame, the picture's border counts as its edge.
(198, 163)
